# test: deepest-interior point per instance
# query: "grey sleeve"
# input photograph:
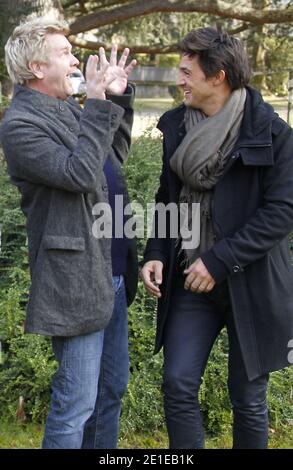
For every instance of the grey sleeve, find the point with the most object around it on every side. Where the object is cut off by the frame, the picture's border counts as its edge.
(33, 155)
(122, 137)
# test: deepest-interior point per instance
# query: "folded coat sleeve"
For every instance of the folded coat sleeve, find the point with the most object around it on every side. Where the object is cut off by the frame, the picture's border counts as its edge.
(122, 137)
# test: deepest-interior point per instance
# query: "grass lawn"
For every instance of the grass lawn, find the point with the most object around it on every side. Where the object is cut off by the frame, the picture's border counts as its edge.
(159, 105)
(155, 105)
(29, 436)
(148, 111)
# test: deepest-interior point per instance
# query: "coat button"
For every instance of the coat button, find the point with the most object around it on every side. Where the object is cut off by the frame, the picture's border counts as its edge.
(233, 157)
(71, 129)
(61, 107)
(236, 268)
(105, 187)
(113, 119)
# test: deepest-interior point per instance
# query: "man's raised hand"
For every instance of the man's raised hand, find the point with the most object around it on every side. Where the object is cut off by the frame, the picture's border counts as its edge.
(116, 73)
(96, 80)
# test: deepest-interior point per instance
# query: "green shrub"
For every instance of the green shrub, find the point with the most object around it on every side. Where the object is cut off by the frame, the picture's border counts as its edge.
(280, 398)
(214, 398)
(142, 405)
(27, 363)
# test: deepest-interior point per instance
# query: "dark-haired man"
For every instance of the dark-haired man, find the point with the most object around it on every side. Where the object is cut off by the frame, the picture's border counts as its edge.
(225, 149)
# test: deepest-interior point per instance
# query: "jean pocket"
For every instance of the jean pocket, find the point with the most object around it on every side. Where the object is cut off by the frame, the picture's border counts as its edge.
(118, 282)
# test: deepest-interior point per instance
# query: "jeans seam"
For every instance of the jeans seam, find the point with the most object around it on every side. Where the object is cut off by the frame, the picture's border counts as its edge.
(100, 396)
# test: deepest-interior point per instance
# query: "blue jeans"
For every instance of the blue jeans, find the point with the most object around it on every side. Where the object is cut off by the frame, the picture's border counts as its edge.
(193, 324)
(89, 384)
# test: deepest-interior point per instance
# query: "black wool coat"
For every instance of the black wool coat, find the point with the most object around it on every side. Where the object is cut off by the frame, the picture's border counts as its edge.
(252, 212)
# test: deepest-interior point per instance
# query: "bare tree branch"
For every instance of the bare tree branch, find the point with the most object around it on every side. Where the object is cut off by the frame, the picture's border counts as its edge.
(239, 29)
(98, 5)
(214, 7)
(94, 46)
(69, 3)
(142, 49)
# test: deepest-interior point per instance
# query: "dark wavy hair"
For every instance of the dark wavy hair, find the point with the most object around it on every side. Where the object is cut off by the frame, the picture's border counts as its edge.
(218, 51)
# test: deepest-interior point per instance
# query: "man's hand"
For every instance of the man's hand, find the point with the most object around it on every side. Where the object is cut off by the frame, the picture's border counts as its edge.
(118, 72)
(198, 278)
(152, 274)
(96, 80)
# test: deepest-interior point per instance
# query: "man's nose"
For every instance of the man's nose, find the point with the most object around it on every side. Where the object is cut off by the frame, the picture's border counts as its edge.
(74, 60)
(180, 81)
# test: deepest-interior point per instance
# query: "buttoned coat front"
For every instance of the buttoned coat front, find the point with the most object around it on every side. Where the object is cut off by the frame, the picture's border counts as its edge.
(252, 212)
(55, 152)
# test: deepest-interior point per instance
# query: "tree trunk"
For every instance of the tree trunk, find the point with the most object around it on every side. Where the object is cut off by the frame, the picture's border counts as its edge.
(258, 51)
(11, 13)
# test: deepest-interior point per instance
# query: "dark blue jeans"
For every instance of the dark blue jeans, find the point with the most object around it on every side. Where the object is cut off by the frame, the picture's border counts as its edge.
(89, 384)
(193, 324)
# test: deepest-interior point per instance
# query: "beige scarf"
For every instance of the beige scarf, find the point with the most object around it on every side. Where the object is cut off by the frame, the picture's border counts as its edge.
(199, 162)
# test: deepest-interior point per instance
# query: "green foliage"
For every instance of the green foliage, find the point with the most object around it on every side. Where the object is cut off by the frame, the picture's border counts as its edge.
(22, 435)
(143, 168)
(27, 373)
(280, 398)
(142, 173)
(279, 55)
(10, 15)
(144, 30)
(214, 398)
(142, 408)
(26, 362)
(168, 60)
(142, 405)
(12, 225)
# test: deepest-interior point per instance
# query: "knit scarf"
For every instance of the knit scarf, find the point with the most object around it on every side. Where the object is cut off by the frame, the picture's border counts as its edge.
(199, 162)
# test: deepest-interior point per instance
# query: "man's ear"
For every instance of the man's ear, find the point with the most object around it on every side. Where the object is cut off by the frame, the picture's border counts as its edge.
(37, 69)
(219, 78)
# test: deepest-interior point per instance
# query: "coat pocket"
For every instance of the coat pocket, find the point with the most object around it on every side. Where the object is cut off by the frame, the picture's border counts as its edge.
(54, 242)
(62, 272)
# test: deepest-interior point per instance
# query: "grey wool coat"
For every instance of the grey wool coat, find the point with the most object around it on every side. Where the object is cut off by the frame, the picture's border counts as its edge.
(55, 153)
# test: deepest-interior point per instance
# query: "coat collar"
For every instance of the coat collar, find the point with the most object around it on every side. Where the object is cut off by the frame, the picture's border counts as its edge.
(173, 120)
(257, 120)
(43, 101)
(255, 131)
(254, 144)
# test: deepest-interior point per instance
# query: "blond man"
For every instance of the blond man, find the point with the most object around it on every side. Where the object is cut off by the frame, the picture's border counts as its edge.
(64, 160)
